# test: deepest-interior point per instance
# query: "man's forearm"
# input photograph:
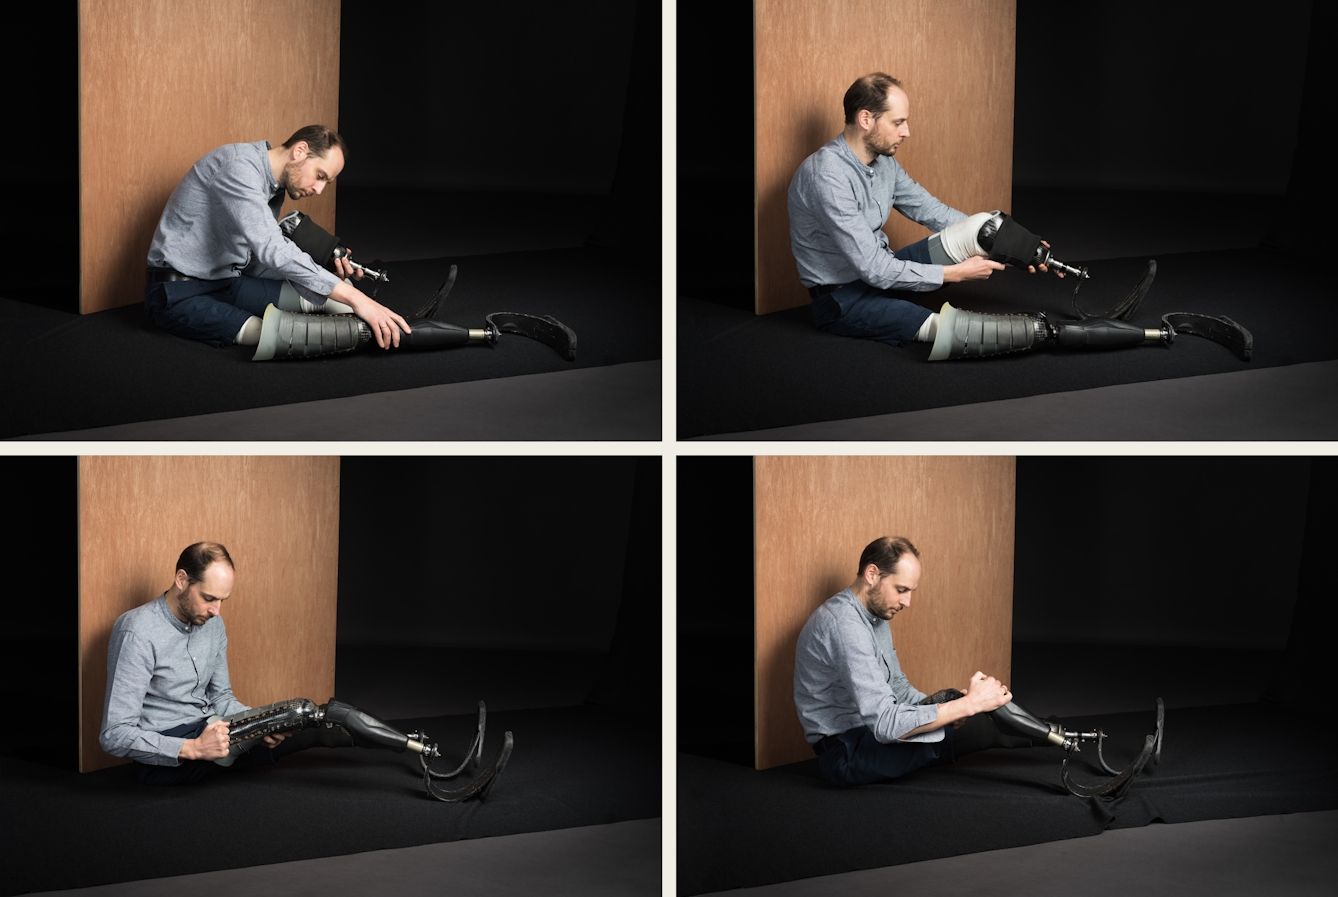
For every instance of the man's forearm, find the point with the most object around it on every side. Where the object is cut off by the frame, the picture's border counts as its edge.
(949, 712)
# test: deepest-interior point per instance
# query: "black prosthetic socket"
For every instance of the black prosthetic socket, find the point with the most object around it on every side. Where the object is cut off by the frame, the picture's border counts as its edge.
(986, 730)
(1009, 242)
(426, 333)
(367, 730)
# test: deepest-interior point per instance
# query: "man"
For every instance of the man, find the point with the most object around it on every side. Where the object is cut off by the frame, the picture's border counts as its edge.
(218, 257)
(839, 200)
(167, 672)
(866, 722)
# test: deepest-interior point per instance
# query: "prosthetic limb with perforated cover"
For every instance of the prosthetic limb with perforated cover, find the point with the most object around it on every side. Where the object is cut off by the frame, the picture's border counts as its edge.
(336, 724)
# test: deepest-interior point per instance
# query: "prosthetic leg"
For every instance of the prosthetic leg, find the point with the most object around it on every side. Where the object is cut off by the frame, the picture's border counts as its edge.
(1012, 718)
(969, 334)
(996, 235)
(287, 333)
(343, 725)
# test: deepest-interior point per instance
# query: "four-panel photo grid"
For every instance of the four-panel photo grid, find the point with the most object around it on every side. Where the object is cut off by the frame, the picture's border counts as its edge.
(484, 450)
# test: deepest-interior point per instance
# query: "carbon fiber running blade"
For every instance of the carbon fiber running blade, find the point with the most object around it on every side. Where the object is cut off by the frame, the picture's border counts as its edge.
(481, 785)
(443, 291)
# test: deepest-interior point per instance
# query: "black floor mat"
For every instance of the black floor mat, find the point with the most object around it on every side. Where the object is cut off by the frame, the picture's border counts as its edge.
(739, 828)
(739, 372)
(572, 766)
(67, 372)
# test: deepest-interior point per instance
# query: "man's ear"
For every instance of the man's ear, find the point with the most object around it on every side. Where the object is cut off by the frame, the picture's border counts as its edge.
(181, 581)
(299, 151)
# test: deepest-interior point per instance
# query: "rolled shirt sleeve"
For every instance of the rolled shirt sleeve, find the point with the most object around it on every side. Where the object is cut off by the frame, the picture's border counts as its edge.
(130, 664)
(221, 221)
(838, 207)
(162, 673)
(844, 678)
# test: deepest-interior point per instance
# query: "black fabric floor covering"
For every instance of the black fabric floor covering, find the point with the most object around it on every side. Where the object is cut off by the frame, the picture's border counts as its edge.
(64, 372)
(738, 371)
(571, 767)
(739, 828)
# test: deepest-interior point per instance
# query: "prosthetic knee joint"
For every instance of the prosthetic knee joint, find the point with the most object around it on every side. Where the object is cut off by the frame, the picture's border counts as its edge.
(362, 729)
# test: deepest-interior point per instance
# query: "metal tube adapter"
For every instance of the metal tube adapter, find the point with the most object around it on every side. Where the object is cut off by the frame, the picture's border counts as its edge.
(341, 253)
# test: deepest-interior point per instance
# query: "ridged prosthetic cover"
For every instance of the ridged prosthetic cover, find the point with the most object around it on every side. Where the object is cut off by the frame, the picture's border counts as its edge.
(286, 334)
(367, 730)
(969, 334)
(247, 727)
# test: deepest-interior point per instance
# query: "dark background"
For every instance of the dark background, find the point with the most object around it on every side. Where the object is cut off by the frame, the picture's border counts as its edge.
(515, 568)
(1203, 555)
(1197, 97)
(500, 113)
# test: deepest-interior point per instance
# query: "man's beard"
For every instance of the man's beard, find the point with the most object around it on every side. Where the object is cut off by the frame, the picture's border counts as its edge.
(290, 171)
(880, 146)
(877, 605)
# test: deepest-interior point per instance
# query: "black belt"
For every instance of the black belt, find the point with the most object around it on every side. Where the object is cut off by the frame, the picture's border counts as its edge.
(160, 275)
(823, 289)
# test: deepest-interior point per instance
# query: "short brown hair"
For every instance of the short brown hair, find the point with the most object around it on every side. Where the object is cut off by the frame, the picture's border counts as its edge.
(885, 554)
(319, 139)
(869, 92)
(197, 558)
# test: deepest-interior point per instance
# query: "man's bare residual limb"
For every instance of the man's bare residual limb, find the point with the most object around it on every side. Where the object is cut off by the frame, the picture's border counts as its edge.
(336, 724)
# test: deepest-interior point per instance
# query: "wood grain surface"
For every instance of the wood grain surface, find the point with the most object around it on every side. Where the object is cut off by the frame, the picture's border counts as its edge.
(956, 60)
(163, 82)
(278, 518)
(813, 517)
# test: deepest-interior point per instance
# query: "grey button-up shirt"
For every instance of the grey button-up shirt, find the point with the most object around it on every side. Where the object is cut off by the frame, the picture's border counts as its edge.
(222, 220)
(838, 206)
(161, 673)
(846, 675)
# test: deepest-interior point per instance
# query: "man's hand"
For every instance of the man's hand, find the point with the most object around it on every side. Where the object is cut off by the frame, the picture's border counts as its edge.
(974, 268)
(1031, 269)
(985, 693)
(386, 325)
(344, 268)
(275, 739)
(212, 743)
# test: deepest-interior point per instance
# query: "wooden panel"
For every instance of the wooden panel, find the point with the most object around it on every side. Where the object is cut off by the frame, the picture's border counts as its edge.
(956, 60)
(278, 517)
(814, 515)
(161, 83)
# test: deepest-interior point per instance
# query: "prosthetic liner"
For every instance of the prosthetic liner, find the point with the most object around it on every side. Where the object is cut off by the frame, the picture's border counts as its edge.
(248, 727)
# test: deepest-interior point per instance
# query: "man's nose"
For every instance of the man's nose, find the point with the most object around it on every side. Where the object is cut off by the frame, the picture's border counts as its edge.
(320, 185)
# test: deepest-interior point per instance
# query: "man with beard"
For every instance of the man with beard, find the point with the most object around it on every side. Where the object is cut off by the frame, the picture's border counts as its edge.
(866, 722)
(839, 200)
(218, 257)
(167, 672)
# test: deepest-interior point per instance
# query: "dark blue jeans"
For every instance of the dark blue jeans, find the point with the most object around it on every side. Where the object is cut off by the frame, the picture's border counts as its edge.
(859, 759)
(194, 770)
(211, 311)
(866, 312)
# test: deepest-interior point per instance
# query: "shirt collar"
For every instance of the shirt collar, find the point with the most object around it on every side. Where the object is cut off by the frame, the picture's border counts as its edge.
(171, 617)
(844, 148)
(865, 614)
(270, 182)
